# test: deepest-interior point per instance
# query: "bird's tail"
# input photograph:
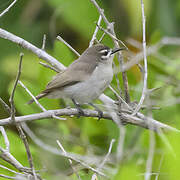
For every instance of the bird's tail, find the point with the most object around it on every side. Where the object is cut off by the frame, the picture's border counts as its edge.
(37, 97)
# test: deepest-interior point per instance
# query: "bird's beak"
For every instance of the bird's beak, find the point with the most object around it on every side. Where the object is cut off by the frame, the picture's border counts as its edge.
(115, 50)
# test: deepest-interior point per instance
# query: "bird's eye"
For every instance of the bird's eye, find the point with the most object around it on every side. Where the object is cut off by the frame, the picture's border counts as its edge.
(104, 52)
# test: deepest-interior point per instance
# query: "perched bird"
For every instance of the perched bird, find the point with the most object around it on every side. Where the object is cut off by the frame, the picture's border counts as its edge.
(85, 79)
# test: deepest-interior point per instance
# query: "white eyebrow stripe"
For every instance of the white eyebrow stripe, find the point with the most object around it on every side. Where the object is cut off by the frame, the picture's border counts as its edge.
(104, 50)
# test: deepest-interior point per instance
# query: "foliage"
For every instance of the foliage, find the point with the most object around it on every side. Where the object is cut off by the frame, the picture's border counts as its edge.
(74, 21)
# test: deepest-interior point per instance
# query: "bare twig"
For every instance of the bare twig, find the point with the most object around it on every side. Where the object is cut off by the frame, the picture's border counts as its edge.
(68, 45)
(138, 107)
(50, 67)
(25, 44)
(12, 114)
(8, 8)
(18, 126)
(8, 157)
(102, 37)
(147, 175)
(160, 164)
(7, 177)
(6, 107)
(94, 177)
(107, 155)
(119, 97)
(150, 51)
(56, 151)
(70, 161)
(108, 33)
(1, 166)
(101, 11)
(95, 32)
(3, 132)
(121, 140)
(44, 42)
(36, 101)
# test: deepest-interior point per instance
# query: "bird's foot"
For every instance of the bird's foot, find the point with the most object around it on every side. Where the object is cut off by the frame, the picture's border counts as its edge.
(100, 114)
(80, 112)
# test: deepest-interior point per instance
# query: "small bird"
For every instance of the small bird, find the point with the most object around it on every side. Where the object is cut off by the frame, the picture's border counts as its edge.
(85, 79)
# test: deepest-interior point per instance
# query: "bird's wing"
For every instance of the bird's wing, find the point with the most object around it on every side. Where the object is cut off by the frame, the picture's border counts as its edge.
(71, 75)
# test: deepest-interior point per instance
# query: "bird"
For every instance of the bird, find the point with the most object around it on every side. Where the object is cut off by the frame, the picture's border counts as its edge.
(85, 79)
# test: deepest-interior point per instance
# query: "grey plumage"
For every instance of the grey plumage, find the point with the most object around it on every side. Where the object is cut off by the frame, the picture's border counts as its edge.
(78, 72)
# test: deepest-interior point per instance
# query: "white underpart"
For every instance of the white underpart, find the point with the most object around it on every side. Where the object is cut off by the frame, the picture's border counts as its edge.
(90, 89)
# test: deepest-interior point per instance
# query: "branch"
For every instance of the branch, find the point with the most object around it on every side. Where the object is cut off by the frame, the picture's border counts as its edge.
(70, 161)
(18, 125)
(127, 118)
(68, 45)
(6, 107)
(95, 32)
(94, 177)
(25, 44)
(144, 91)
(150, 50)
(8, 8)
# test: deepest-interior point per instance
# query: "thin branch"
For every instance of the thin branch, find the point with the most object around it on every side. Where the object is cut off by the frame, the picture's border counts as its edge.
(7, 177)
(108, 33)
(150, 51)
(18, 126)
(44, 42)
(6, 107)
(25, 44)
(50, 67)
(119, 97)
(13, 91)
(95, 32)
(101, 11)
(107, 155)
(102, 37)
(70, 161)
(147, 175)
(77, 158)
(94, 177)
(3, 132)
(68, 45)
(10, 159)
(159, 168)
(138, 107)
(1, 166)
(36, 101)
(8, 8)
(121, 140)
(33, 97)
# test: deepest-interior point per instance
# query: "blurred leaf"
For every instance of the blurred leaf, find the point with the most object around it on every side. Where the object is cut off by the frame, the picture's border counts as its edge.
(79, 14)
(134, 11)
(62, 52)
(172, 159)
(130, 171)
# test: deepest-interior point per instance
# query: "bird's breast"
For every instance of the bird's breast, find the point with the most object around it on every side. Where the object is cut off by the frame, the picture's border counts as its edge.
(94, 86)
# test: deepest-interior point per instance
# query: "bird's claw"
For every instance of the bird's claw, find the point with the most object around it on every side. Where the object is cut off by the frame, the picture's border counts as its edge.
(80, 112)
(100, 114)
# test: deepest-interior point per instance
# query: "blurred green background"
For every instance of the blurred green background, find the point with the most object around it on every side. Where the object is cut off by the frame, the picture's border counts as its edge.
(74, 20)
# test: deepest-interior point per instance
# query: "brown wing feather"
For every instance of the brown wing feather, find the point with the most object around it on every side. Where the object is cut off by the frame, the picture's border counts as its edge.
(71, 75)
